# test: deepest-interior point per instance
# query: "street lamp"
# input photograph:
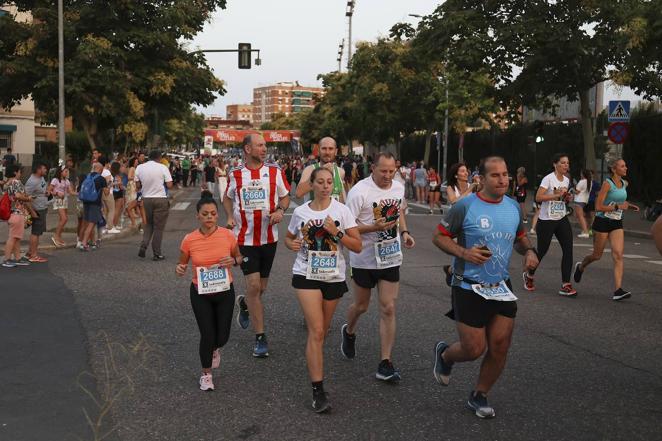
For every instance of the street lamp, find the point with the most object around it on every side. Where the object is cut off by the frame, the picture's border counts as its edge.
(349, 12)
(60, 81)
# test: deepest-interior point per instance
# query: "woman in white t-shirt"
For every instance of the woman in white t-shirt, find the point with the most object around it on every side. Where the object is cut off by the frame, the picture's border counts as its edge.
(582, 191)
(60, 188)
(553, 195)
(318, 232)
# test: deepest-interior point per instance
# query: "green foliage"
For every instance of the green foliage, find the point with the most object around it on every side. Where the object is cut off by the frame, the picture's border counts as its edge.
(125, 61)
(184, 131)
(280, 121)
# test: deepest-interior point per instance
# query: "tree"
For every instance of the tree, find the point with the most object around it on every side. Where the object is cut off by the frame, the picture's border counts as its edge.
(535, 50)
(126, 63)
(183, 132)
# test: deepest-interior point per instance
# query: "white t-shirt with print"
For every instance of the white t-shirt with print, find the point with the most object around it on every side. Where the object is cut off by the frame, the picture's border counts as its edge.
(550, 182)
(309, 224)
(368, 202)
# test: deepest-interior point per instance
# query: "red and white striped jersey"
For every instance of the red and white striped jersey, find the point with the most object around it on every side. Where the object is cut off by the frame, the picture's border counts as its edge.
(255, 194)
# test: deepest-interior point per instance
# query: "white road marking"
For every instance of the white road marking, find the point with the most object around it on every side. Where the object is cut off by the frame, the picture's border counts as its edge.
(656, 262)
(181, 206)
(634, 256)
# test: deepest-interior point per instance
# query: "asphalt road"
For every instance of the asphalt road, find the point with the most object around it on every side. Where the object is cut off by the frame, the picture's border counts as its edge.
(582, 368)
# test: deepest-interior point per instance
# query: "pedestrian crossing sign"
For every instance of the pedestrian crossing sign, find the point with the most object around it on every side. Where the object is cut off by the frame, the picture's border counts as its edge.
(619, 111)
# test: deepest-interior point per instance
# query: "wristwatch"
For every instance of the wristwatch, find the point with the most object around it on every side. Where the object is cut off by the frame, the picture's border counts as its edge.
(339, 236)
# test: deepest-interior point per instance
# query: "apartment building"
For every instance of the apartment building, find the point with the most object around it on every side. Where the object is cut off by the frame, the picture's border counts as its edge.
(286, 97)
(239, 112)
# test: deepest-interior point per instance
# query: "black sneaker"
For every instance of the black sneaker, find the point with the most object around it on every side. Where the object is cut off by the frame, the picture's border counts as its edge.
(348, 343)
(441, 370)
(321, 402)
(449, 274)
(158, 257)
(621, 294)
(141, 252)
(386, 372)
(243, 319)
(478, 403)
(578, 272)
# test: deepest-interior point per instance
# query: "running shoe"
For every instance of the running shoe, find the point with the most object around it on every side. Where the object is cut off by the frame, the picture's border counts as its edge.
(578, 273)
(621, 294)
(386, 372)
(114, 230)
(84, 248)
(321, 402)
(206, 383)
(441, 370)
(583, 236)
(216, 359)
(243, 318)
(532, 231)
(23, 261)
(9, 263)
(449, 274)
(567, 290)
(529, 283)
(261, 348)
(348, 343)
(478, 403)
(158, 257)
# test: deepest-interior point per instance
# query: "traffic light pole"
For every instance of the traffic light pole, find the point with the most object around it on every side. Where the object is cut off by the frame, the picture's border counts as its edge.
(258, 61)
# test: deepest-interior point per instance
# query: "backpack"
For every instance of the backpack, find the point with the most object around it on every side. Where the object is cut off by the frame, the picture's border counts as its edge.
(5, 207)
(88, 190)
(595, 189)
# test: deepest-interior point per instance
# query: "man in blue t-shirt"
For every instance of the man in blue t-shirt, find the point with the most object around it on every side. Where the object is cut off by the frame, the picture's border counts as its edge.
(486, 225)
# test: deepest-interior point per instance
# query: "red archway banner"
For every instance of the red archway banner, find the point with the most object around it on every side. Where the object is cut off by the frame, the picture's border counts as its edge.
(237, 136)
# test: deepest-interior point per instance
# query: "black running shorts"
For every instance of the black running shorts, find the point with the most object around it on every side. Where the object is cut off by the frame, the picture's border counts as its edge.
(258, 259)
(330, 290)
(475, 311)
(606, 225)
(368, 278)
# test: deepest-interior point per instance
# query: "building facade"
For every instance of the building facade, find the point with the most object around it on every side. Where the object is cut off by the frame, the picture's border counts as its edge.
(566, 109)
(239, 112)
(286, 98)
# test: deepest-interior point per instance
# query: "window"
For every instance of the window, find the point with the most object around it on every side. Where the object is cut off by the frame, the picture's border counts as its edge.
(5, 140)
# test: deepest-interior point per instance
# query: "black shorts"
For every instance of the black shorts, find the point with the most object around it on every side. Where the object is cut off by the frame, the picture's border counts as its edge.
(330, 290)
(590, 206)
(118, 194)
(434, 190)
(473, 310)
(258, 259)
(368, 278)
(606, 225)
(39, 223)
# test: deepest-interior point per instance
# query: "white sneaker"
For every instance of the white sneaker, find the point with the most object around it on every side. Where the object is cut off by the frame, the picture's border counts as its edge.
(216, 360)
(583, 236)
(79, 244)
(532, 231)
(206, 382)
(114, 230)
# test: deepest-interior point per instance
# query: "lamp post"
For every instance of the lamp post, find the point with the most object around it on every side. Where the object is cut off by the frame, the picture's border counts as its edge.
(350, 13)
(60, 81)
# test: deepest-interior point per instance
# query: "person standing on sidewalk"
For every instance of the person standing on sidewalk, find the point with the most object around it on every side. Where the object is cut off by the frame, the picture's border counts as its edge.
(255, 203)
(608, 225)
(376, 203)
(152, 178)
(60, 187)
(16, 222)
(186, 170)
(487, 226)
(37, 188)
(92, 215)
(107, 200)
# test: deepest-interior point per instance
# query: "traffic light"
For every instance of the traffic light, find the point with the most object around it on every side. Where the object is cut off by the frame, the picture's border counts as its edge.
(244, 55)
(538, 130)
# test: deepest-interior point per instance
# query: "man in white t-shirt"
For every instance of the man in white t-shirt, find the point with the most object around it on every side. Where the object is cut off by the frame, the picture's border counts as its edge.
(377, 202)
(152, 178)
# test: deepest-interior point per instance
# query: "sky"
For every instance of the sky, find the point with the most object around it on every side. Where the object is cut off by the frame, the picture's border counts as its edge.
(299, 39)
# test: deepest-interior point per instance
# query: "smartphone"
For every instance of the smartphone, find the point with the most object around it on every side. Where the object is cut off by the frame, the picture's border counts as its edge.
(486, 248)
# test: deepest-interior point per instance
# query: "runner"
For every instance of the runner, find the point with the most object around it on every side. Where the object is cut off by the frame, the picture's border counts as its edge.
(552, 195)
(255, 202)
(318, 231)
(608, 225)
(328, 151)
(377, 204)
(487, 225)
(212, 251)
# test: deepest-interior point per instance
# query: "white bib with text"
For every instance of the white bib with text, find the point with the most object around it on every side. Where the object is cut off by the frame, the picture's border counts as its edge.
(388, 253)
(212, 280)
(498, 291)
(322, 265)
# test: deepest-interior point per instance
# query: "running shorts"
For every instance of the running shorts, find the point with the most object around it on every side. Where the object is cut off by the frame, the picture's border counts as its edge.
(39, 223)
(330, 290)
(605, 225)
(258, 259)
(368, 278)
(475, 311)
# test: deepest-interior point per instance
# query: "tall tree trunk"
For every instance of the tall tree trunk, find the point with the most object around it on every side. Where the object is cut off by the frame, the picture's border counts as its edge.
(428, 143)
(587, 130)
(90, 128)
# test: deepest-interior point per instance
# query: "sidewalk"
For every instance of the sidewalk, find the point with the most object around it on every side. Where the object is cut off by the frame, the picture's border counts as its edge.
(69, 233)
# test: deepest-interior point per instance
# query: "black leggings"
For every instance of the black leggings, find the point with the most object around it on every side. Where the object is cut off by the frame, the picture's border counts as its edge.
(213, 312)
(545, 229)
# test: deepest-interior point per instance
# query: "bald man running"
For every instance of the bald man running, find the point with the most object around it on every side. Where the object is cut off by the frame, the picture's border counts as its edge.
(328, 151)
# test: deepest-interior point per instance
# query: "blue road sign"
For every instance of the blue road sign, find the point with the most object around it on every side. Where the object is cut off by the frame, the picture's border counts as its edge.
(619, 111)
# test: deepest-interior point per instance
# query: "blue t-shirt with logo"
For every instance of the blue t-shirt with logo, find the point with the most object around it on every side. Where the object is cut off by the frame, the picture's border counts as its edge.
(475, 221)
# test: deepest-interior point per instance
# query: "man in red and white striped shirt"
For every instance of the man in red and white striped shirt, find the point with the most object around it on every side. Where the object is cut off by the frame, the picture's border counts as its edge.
(255, 202)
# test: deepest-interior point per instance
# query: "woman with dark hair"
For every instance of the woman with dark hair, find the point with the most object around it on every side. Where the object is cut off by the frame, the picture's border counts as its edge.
(458, 183)
(212, 251)
(17, 218)
(420, 181)
(60, 188)
(608, 225)
(553, 195)
(434, 186)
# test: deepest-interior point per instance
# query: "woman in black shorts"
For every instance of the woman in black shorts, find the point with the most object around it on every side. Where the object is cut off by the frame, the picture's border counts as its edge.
(318, 232)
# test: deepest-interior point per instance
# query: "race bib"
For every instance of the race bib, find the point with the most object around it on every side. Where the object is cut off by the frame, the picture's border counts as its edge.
(614, 215)
(498, 291)
(254, 197)
(212, 280)
(556, 210)
(388, 253)
(322, 265)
